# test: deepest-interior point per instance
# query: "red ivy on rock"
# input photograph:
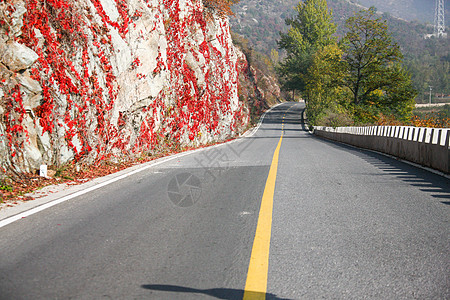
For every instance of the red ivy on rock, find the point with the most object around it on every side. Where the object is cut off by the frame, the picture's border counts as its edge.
(79, 87)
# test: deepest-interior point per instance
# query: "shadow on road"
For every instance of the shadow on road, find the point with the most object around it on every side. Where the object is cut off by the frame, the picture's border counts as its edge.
(219, 293)
(435, 185)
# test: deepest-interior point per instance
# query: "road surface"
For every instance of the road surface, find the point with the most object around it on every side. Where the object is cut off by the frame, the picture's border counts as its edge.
(341, 223)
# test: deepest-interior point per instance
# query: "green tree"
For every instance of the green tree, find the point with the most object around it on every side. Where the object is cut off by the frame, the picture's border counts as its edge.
(399, 99)
(327, 97)
(374, 73)
(310, 30)
(361, 78)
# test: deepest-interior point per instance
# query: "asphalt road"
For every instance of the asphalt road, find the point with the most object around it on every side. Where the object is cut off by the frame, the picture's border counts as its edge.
(346, 224)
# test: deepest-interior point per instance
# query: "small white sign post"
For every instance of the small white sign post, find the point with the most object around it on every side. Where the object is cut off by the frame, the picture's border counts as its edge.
(43, 171)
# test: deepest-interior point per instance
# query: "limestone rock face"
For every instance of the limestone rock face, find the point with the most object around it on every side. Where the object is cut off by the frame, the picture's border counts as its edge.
(18, 57)
(89, 80)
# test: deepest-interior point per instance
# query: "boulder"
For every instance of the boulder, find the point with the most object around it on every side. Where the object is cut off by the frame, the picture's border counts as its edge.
(18, 57)
(32, 86)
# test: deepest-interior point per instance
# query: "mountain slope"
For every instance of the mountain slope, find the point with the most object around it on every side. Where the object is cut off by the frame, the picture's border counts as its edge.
(420, 10)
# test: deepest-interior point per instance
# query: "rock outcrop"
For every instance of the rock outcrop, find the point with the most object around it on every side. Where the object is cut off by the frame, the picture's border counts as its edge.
(89, 80)
(258, 89)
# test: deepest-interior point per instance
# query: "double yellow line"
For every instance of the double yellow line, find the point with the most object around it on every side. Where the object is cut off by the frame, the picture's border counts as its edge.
(256, 284)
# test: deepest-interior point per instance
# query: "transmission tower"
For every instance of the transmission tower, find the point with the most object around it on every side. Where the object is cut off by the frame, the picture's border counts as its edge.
(439, 21)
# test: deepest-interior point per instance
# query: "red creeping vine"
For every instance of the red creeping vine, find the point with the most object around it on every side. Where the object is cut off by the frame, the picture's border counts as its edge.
(80, 90)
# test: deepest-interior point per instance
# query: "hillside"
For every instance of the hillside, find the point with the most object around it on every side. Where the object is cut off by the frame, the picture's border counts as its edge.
(260, 21)
(411, 10)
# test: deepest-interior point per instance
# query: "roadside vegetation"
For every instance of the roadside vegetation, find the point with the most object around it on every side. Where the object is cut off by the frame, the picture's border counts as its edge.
(437, 117)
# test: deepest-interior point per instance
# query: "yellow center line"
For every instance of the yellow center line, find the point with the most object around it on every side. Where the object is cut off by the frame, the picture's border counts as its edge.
(256, 284)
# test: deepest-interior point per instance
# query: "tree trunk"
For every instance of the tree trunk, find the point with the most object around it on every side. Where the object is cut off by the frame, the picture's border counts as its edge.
(356, 98)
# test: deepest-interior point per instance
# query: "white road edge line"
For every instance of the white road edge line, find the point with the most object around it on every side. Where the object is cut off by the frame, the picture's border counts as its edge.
(42, 207)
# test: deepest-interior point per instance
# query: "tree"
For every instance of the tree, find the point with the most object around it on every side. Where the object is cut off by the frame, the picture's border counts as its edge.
(327, 98)
(372, 58)
(310, 30)
(399, 99)
(361, 78)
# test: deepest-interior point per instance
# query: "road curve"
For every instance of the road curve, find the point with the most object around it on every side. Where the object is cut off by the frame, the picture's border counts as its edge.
(344, 223)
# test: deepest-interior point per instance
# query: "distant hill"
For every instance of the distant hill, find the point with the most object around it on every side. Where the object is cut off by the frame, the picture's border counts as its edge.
(260, 21)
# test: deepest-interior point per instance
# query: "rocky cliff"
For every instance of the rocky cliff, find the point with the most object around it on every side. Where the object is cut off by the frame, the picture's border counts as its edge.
(89, 80)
